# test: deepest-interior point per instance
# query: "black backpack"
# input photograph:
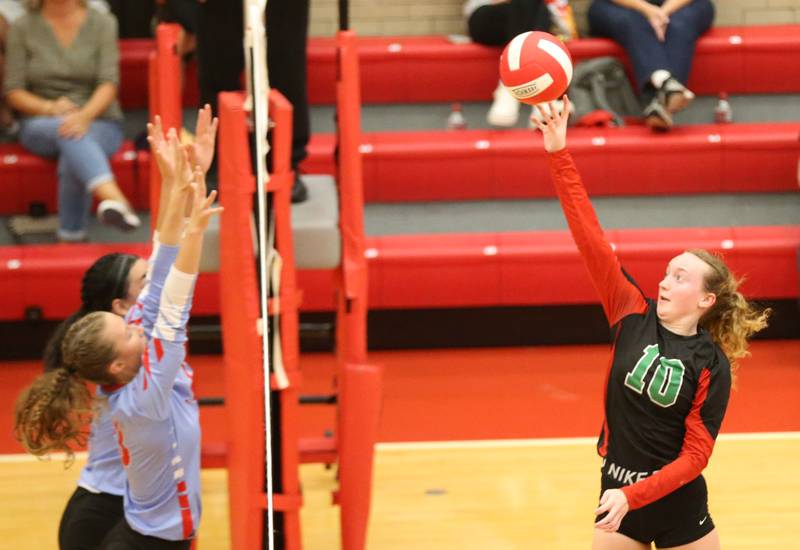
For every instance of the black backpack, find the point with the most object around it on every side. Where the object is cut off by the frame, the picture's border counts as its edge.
(601, 84)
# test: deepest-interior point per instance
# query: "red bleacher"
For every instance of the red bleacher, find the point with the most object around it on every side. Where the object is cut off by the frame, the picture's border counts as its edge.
(431, 68)
(27, 180)
(494, 164)
(486, 269)
(497, 164)
(489, 164)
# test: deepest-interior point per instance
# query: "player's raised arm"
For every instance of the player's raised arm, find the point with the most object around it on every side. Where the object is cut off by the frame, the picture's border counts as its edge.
(619, 296)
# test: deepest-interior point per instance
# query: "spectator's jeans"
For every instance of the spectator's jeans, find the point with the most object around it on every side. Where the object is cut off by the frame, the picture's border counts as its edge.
(82, 165)
(647, 54)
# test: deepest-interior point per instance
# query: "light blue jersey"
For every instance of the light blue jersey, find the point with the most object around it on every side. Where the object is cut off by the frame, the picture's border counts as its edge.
(156, 417)
(103, 472)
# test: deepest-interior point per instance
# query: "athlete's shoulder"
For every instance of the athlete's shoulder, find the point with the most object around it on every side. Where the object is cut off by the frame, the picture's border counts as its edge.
(721, 365)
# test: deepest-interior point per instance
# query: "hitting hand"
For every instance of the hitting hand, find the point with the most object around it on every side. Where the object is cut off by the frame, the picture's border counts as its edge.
(553, 125)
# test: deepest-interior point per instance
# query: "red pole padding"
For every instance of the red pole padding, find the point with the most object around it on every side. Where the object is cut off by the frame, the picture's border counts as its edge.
(164, 95)
(358, 429)
(352, 314)
(244, 396)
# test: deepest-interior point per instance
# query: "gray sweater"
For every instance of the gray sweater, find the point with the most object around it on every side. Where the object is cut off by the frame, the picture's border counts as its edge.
(36, 61)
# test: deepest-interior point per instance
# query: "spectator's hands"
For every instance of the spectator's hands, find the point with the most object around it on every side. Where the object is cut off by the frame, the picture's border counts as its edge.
(202, 211)
(615, 503)
(553, 125)
(201, 152)
(62, 106)
(658, 19)
(74, 125)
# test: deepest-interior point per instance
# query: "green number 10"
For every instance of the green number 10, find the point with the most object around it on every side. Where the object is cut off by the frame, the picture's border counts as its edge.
(666, 382)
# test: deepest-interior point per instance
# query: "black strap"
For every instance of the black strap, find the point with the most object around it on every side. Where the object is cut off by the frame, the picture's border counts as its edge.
(344, 15)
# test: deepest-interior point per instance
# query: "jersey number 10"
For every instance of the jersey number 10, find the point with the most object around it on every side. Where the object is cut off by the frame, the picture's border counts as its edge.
(666, 381)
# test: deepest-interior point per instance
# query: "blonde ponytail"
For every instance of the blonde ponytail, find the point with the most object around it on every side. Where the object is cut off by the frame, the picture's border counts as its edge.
(732, 319)
(52, 414)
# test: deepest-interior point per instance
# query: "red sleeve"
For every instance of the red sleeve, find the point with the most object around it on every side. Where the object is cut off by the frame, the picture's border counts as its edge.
(619, 296)
(702, 428)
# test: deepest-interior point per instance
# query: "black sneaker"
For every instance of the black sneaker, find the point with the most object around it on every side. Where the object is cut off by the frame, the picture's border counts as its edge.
(299, 190)
(111, 212)
(674, 96)
(656, 116)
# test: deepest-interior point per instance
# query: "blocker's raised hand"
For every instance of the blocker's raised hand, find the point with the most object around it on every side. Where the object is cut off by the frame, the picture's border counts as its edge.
(201, 152)
(553, 125)
(202, 209)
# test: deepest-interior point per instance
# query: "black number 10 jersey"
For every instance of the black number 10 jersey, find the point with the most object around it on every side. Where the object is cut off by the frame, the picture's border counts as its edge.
(666, 394)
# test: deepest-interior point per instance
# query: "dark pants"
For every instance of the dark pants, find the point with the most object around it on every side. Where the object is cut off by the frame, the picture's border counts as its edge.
(87, 519)
(122, 537)
(221, 58)
(497, 24)
(647, 54)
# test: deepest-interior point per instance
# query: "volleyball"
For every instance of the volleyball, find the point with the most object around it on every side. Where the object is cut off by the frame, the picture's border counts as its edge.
(536, 67)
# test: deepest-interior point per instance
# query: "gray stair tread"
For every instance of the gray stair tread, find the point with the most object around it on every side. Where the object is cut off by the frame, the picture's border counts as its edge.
(315, 223)
(433, 116)
(722, 210)
(317, 242)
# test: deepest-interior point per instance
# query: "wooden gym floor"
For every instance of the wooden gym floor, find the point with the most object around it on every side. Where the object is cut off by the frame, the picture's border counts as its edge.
(524, 476)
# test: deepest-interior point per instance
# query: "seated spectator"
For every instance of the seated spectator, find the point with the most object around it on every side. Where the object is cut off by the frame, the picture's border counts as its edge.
(62, 73)
(497, 22)
(659, 37)
(10, 11)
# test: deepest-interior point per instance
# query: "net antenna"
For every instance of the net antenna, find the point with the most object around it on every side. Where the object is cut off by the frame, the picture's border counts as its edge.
(257, 104)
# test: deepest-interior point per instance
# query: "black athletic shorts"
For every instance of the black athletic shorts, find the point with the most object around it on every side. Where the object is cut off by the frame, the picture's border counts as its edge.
(87, 519)
(122, 537)
(679, 518)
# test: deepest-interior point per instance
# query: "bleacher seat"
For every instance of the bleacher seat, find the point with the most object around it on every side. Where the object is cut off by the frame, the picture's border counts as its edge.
(482, 164)
(486, 269)
(28, 181)
(431, 68)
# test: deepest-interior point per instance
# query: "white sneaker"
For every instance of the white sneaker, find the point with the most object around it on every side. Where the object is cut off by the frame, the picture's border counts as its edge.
(115, 213)
(505, 108)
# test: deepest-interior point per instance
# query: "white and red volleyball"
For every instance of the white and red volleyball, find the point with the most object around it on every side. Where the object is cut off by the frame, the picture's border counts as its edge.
(536, 67)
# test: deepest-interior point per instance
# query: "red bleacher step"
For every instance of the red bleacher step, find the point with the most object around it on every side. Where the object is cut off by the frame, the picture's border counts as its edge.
(481, 270)
(409, 69)
(495, 164)
(26, 179)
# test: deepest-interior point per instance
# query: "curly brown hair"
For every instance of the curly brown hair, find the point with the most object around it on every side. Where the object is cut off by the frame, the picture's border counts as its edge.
(53, 412)
(732, 319)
